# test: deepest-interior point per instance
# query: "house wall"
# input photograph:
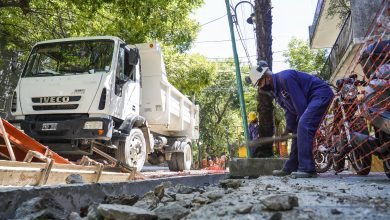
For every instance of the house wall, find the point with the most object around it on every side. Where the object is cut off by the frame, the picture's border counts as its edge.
(362, 12)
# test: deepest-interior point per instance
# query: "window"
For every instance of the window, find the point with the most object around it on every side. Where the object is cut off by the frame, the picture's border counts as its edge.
(70, 58)
(126, 68)
(120, 78)
(130, 65)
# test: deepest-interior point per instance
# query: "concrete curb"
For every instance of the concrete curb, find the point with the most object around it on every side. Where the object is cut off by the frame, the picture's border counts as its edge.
(73, 197)
(254, 167)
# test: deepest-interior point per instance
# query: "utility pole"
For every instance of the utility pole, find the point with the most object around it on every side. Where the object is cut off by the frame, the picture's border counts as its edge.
(238, 79)
(265, 106)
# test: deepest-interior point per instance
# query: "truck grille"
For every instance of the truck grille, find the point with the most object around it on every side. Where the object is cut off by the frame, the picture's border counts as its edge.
(54, 107)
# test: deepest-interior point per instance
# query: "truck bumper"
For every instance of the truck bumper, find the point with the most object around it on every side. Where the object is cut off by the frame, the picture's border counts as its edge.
(64, 127)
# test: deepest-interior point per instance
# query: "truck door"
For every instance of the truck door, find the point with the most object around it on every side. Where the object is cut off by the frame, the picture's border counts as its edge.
(127, 84)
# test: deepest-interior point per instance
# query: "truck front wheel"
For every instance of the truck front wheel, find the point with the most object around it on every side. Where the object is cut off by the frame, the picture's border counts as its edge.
(132, 151)
(181, 160)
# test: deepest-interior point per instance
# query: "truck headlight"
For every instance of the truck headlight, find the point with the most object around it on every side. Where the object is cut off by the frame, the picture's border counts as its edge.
(93, 125)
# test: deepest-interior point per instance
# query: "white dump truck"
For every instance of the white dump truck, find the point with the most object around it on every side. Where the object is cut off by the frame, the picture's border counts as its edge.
(78, 93)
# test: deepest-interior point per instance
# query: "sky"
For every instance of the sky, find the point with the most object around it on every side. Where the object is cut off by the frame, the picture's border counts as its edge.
(291, 18)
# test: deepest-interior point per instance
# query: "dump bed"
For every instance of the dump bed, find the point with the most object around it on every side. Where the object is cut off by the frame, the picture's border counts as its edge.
(166, 109)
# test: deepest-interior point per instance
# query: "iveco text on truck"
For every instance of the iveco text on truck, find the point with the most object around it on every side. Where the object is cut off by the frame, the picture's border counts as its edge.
(79, 93)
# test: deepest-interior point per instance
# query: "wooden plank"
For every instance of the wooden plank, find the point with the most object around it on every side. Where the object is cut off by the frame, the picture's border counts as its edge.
(10, 176)
(7, 163)
(14, 173)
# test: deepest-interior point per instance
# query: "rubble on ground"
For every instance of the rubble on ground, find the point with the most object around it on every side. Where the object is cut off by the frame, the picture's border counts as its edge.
(262, 198)
(40, 208)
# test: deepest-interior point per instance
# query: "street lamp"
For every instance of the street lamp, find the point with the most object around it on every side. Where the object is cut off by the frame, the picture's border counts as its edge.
(238, 71)
(251, 19)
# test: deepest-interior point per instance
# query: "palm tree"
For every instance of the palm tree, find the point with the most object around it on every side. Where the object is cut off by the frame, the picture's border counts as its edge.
(265, 106)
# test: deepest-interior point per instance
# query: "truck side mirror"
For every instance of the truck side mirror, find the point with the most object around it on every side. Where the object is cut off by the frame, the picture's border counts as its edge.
(120, 81)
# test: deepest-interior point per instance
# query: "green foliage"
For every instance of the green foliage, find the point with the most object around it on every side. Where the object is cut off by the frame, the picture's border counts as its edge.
(302, 58)
(213, 85)
(220, 119)
(133, 21)
(190, 74)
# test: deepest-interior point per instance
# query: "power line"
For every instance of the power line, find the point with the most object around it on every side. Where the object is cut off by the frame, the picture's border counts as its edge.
(227, 58)
(216, 19)
(218, 41)
(240, 35)
(245, 62)
(238, 28)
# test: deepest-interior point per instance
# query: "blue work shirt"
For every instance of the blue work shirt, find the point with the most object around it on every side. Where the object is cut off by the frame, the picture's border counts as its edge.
(253, 131)
(294, 90)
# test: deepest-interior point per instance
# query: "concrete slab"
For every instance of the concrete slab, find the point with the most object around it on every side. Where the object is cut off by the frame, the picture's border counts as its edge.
(254, 167)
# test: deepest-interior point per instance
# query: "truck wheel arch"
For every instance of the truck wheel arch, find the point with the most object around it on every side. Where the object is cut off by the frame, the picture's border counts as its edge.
(137, 121)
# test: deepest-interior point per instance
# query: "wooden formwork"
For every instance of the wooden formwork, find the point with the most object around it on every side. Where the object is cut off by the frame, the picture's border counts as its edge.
(22, 168)
(16, 173)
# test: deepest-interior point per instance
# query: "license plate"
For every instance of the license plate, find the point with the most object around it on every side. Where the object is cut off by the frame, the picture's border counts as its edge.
(49, 126)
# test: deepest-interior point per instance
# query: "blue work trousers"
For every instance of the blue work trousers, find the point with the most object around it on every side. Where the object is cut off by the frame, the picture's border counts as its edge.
(301, 156)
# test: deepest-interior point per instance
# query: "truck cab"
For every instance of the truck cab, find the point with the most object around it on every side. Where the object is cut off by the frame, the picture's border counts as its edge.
(78, 93)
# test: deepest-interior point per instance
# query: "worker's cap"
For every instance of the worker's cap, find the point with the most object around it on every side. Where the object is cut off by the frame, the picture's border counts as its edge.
(252, 116)
(257, 72)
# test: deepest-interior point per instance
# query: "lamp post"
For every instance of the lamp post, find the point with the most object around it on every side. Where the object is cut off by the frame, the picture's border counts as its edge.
(238, 72)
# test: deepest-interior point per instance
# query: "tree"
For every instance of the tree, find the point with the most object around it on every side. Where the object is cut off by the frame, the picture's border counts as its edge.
(302, 58)
(220, 111)
(264, 52)
(133, 21)
(190, 74)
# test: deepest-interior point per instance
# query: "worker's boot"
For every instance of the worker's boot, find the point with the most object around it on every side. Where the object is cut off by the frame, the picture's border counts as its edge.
(301, 174)
(280, 173)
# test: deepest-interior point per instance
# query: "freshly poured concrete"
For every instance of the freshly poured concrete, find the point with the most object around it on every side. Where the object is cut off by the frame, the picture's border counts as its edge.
(254, 167)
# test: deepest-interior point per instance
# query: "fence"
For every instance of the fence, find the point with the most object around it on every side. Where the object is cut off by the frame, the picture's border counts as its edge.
(356, 127)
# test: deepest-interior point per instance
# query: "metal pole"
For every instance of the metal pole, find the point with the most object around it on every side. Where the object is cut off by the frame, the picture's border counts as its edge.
(199, 155)
(238, 78)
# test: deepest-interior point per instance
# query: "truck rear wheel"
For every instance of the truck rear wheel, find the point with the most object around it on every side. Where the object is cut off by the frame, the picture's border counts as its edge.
(181, 160)
(132, 151)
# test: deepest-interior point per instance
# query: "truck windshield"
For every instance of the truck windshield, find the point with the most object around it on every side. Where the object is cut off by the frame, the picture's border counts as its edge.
(70, 58)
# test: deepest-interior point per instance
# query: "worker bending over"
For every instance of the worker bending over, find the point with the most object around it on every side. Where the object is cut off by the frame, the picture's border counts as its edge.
(305, 99)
